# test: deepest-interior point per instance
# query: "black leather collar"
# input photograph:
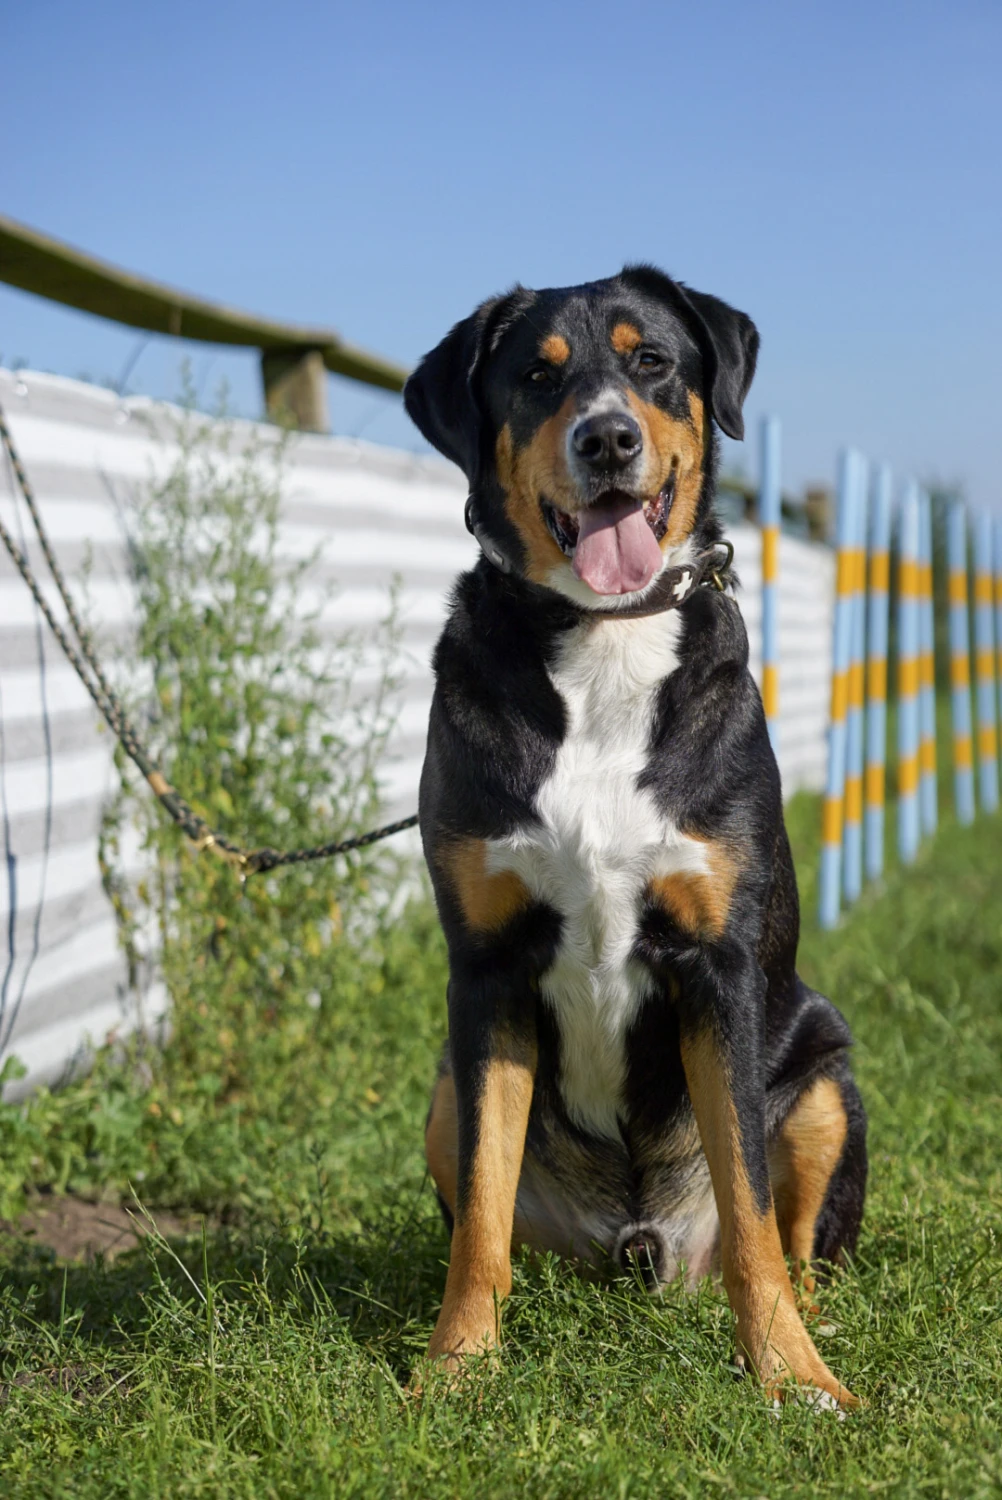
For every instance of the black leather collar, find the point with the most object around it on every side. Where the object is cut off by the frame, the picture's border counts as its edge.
(669, 590)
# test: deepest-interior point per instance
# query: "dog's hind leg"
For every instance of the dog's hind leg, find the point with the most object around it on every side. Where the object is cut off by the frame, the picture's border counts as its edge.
(722, 1061)
(817, 1167)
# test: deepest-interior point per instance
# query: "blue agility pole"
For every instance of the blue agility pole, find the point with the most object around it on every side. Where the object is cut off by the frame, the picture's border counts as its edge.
(998, 613)
(928, 796)
(770, 515)
(876, 685)
(830, 879)
(852, 834)
(960, 661)
(984, 665)
(909, 821)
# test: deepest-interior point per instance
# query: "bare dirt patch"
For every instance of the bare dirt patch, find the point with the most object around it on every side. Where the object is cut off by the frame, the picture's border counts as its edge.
(77, 1230)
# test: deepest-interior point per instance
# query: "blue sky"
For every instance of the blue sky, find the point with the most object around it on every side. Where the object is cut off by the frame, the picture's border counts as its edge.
(832, 169)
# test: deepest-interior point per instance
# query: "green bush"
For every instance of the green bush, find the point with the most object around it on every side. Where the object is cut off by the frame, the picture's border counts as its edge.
(264, 729)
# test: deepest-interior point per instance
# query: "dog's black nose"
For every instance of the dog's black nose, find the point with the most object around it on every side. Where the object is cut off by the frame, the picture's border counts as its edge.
(610, 440)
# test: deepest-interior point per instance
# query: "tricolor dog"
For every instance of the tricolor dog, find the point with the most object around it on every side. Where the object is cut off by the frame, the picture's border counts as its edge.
(635, 1072)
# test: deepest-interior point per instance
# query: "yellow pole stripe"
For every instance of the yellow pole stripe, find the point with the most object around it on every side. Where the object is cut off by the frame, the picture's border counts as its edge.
(927, 756)
(958, 588)
(960, 670)
(875, 786)
(985, 665)
(770, 554)
(840, 696)
(878, 679)
(880, 573)
(987, 743)
(962, 753)
(856, 685)
(908, 676)
(770, 689)
(846, 571)
(908, 775)
(831, 821)
(908, 578)
(854, 799)
(927, 669)
(982, 588)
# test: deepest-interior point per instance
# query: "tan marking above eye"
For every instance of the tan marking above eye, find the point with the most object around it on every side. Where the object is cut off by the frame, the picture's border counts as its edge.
(625, 337)
(555, 349)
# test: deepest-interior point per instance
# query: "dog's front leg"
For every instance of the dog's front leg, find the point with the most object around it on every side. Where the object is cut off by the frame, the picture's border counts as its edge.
(492, 1044)
(722, 1043)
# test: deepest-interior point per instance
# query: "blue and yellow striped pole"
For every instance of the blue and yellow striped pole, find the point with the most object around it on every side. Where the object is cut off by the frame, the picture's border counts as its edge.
(998, 608)
(769, 514)
(960, 662)
(909, 823)
(876, 683)
(830, 880)
(852, 836)
(984, 658)
(928, 798)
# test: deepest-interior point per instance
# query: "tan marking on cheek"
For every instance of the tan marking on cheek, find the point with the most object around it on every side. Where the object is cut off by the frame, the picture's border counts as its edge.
(488, 901)
(555, 349)
(526, 475)
(480, 1258)
(802, 1159)
(673, 445)
(625, 337)
(769, 1326)
(699, 904)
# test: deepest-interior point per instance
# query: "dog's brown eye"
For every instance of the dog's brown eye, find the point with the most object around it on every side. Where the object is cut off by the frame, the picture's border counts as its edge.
(539, 375)
(648, 360)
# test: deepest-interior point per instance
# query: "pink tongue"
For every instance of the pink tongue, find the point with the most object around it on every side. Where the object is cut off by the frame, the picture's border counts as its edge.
(616, 550)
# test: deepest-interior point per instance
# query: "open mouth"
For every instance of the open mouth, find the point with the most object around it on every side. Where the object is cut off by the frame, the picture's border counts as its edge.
(613, 543)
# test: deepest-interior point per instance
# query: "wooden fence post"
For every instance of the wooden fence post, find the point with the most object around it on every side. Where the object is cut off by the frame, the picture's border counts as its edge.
(295, 388)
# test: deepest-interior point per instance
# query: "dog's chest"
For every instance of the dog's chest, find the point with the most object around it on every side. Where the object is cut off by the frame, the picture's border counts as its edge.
(599, 841)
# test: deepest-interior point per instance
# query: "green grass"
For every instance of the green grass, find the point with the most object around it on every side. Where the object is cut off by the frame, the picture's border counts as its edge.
(271, 1359)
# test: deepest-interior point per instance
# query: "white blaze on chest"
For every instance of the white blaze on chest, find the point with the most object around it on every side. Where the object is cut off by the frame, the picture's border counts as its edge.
(599, 841)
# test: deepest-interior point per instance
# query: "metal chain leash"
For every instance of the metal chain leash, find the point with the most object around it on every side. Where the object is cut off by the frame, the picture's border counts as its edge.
(245, 861)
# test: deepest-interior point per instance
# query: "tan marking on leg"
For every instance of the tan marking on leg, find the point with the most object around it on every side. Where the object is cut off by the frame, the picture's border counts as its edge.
(699, 904)
(488, 901)
(555, 349)
(479, 1275)
(675, 445)
(625, 337)
(802, 1159)
(769, 1326)
(441, 1140)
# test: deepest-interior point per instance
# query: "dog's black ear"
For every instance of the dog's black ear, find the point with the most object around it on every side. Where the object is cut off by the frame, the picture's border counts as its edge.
(729, 341)
(442, 396)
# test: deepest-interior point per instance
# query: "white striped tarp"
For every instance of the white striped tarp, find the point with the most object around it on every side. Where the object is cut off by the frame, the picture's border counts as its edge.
(376, 513)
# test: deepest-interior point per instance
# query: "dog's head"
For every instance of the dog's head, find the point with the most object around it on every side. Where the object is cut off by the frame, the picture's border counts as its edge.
(582, 418)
